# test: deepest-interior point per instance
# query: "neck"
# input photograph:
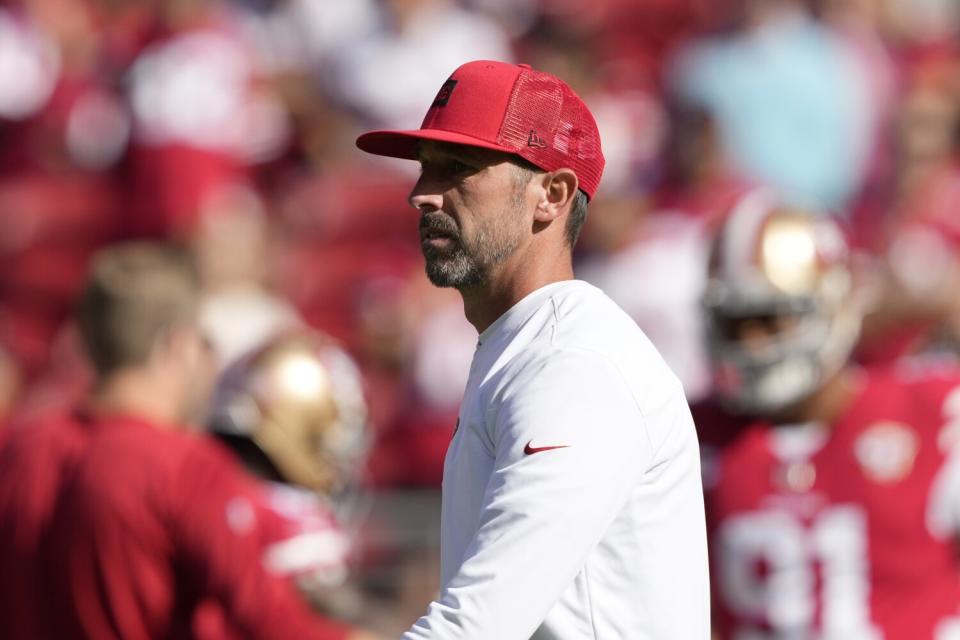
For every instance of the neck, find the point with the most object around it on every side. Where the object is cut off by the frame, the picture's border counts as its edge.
(515, 280)
(830, 402)
(136, 392)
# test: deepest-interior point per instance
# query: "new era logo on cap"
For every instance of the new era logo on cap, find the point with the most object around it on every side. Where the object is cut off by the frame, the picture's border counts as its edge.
(509, 108)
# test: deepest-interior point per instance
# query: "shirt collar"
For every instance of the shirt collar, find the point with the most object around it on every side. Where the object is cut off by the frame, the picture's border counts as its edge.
(515, 317)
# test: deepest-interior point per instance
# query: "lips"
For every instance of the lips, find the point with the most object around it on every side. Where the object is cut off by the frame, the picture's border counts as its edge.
(435, 234)
(437, 229)
(434, 245)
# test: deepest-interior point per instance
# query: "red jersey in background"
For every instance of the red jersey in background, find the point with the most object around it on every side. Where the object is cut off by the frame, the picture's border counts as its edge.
(35, 460)
(844, 530)
(153, 524)
(303, 539)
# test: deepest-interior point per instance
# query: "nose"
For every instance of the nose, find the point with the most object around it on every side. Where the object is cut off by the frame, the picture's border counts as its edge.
(756, 336)
(425, 197)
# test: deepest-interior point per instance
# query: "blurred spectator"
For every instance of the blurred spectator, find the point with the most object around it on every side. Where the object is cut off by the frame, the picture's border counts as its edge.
(653, 265)
(919, 21)
(635, 124)
(298, 35)
(200, 118)
(790, 101)
(443, 347)
(31, 63)
(234, 242)
(908, 218)
(415, 435)
(63, 128)
(419, 40)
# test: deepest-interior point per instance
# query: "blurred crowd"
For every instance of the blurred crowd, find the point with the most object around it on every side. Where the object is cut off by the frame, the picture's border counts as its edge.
(227, 127)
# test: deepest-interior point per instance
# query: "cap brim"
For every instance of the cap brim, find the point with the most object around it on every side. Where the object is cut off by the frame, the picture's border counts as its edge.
(403, 144)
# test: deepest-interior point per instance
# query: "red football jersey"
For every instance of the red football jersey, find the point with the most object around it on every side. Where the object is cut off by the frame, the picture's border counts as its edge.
(844, 530)
(155, 527)
(35, 459)
(302, 538)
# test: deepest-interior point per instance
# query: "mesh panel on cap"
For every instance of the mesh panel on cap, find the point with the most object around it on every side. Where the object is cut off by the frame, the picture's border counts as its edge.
(535, 106)
(549, 126)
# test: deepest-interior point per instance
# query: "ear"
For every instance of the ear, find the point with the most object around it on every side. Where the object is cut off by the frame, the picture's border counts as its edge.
(559, 189)
(181, 344)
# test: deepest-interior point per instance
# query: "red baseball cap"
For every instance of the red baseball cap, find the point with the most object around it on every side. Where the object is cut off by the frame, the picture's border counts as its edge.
(510, 108)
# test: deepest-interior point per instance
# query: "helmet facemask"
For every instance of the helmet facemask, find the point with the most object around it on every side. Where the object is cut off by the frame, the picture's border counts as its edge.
(782, 317)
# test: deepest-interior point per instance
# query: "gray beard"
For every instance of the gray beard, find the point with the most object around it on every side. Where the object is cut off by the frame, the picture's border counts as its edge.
(457, 269)
(464, 266)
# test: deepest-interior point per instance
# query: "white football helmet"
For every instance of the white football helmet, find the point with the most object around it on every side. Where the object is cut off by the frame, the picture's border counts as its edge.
(782, 312)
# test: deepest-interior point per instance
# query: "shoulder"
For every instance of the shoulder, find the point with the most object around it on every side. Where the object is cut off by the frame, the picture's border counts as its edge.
(204, 459)
(44, 442)
(51, 430)
(575, 386)
(589, 322)
(548, 378)
(585, 349)
(151, 455)
(564, 374)
(914, 402)
(582, 306)
(914, 382)
(716, 426)
(136, 441)
(726, 439)
(187, 479)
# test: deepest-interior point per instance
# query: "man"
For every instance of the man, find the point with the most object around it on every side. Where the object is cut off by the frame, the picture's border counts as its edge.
(141, 528)
(571, 504)
(832, 490)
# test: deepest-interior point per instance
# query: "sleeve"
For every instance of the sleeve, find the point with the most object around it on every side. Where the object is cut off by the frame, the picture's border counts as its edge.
(570, 445)
(218, 535)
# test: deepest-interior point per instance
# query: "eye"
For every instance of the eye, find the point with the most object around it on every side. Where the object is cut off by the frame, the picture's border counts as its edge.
(456, 166)
(449, 167)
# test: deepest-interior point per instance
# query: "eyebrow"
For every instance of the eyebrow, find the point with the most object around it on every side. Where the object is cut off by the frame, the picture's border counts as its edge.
(456, 152)
(434, 152)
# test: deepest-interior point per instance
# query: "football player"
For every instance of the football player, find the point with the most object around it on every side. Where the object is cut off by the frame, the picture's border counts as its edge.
(833, 491)
(294, 413)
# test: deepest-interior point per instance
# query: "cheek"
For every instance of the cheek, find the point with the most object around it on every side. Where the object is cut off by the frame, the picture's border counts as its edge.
(492, 207)
(465, 210)
(203, 365)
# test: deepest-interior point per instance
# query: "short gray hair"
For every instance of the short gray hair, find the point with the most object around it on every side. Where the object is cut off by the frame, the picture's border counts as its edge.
(578, 210)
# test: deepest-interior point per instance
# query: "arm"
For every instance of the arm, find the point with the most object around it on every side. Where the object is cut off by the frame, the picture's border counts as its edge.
(218, 535)
(544, 512)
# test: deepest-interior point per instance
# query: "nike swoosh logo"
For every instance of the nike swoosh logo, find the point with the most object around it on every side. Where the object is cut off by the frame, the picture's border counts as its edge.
(528, 450)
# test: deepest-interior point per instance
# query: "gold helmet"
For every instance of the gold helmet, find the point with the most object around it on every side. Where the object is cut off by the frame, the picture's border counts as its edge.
(785, 274)
(296, 406)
